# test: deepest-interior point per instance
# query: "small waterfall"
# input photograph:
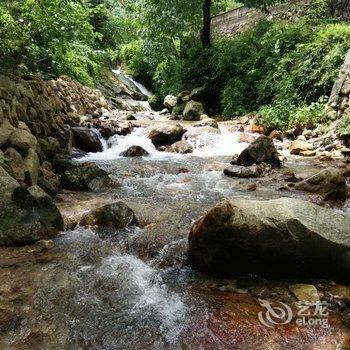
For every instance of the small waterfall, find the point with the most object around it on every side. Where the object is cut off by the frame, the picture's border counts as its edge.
(124, 77)
(140, 104)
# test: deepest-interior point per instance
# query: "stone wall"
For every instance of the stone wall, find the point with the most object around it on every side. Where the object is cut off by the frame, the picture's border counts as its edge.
(234, 21)
(340, 9)
(339, 101)
(45, 106)
(36, 125)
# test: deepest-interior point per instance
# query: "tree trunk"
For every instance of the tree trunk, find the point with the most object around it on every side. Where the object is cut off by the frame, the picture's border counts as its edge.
(206, 30)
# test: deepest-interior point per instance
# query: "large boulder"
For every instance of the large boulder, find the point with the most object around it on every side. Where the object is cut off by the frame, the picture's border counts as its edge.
(87, 177)
(22, 140)
(170, 101)
(86, 139)
(282, 238)
(262, 150)
(26, 215)
(193, 110)
(166, 135)
(60, 165)
(134, 151)
(6, 130)
(329, 183)
(115, 216)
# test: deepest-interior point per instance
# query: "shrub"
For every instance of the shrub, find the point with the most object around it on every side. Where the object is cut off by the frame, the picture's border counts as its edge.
(283, 115)
(242, 65)
(309, 71)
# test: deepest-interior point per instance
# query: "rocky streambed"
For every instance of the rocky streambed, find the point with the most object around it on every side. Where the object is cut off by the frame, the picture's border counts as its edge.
(121, 277)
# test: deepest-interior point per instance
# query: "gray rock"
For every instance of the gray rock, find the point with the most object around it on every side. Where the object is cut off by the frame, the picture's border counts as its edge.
(49, 146)
(134, 151)
(87, 177)
(329, 183)
(26, 215)
(207, 122)
(86, 139)
(182, 147)
(170, 101)
(6, 130)
(15, 164)
(62, 165)
(193, 110)
(22, 141)
(31, 167)
(282, 238)
(242, 171)
(166, 135)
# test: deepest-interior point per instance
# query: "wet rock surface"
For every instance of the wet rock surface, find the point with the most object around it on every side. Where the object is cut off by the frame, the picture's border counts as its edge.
(26, 215)
(134, 151)
(182, 147)
(243, 172)
(116, 215)
(88, 177)
(262, 150)
(87, 140)
(166, 135)
(329, 183)
(278, 238)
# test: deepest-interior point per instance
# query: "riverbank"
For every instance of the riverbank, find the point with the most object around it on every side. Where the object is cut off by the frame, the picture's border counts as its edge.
(99, 287)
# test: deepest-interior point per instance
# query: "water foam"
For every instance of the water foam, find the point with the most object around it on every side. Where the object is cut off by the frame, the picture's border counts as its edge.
(205, 144)
(147, 291)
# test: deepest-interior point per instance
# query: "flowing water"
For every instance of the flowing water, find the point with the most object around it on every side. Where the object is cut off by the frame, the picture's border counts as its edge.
(134, 288)
(128, 103)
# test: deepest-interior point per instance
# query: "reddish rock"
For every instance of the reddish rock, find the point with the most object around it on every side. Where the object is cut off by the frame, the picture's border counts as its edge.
(276, 134)
(299, 146)
(255, 129)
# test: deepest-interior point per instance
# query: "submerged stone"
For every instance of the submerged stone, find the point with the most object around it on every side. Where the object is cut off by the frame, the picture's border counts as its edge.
(116, 215)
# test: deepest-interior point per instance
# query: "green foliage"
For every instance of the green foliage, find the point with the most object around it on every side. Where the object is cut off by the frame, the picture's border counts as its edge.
(10, 35)
(304, 75)
(242, 65)
(308, 72)
(57, 37)
(344, 125)
(283, 114)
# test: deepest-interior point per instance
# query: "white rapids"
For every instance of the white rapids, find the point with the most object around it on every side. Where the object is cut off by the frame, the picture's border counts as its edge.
(225, 143)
